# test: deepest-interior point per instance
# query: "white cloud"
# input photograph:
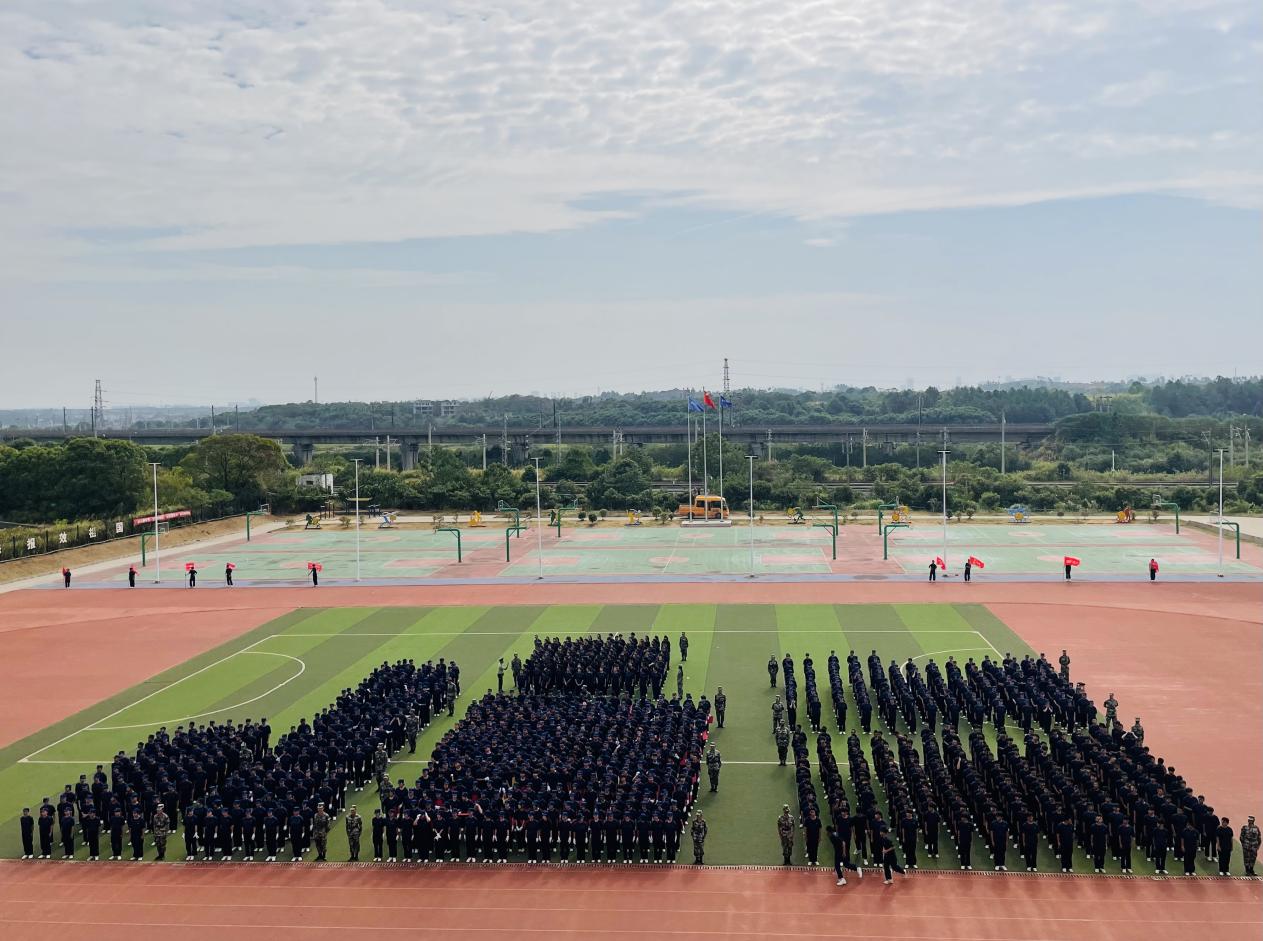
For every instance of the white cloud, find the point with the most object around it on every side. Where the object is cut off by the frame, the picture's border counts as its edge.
(326, 121)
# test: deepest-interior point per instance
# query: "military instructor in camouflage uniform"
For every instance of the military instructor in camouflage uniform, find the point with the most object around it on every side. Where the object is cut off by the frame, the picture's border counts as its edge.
(161, 827)
(785, 829)
(698, 832)
(354, 827)
(320, 824)
(782, 742)
(713, 763)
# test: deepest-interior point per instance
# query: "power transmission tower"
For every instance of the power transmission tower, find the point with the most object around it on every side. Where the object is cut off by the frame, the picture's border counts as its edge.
(98, 410)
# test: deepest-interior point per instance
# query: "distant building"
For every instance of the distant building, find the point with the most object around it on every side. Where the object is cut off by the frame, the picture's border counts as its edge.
(319, 481)
(447, 409)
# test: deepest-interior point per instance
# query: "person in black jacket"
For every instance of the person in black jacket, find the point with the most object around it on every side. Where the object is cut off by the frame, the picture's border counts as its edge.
(44, 823)
(27, 823)
(68, 834)
(1159, 842)
(136, 829)
(1223, 836)
(90, 825)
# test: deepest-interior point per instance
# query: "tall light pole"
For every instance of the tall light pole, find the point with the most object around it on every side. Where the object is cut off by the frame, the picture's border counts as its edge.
(750, 459)
(539, 522)
(357, 518)
(157, 558)
(944, 452)
(1221, 511)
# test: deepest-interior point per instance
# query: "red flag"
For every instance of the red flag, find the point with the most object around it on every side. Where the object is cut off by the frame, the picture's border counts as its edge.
(190, 566)
(939, 562)
(1153, 565)
(710, 403)
(315, 565)
(1071, 560)
(231, 565)
(976, 562)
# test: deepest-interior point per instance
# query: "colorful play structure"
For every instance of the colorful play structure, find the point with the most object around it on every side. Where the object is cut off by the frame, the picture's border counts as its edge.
(388, 521)
(1019, 513)
(1126, 515)
(795, 515)
(313, 522)
(901, 514)
(633, 518)
(475, 520)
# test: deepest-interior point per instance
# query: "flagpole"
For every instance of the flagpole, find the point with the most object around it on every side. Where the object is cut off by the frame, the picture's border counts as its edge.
(688, 437)
(721, 446)
(705, 470)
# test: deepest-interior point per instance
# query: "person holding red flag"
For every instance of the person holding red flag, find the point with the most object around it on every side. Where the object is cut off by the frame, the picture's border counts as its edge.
(972, 561)
(1153, 570)
(1070, 562)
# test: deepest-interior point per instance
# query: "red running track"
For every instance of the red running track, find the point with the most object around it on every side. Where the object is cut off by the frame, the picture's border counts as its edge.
(105, 902)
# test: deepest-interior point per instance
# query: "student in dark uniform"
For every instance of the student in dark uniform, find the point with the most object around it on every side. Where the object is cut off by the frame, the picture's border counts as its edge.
(1029, 837)
(933, 570)
(90, 825)
(1099, 834)
(272, 835)
(65, 574)
(999, 842)
(193, 577)
(27, 823)
(296, 825)
(968, 568)
(44, 823)
(965, 842)
(131, 576)
(1189, 838)
(315, 576)
(190, 836)
(228, 574)
(136, 829)
(117, 824)
(1159, 843)
(1065, 844)
(889, 862)
(68, 834)
(1223, 839)
(841, 855)
(1125, 835)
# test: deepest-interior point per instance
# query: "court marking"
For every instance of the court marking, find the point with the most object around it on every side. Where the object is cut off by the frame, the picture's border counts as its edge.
(302, 668)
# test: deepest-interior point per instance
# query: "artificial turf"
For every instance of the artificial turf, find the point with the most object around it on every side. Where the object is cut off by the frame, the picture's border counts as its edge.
(295, 665)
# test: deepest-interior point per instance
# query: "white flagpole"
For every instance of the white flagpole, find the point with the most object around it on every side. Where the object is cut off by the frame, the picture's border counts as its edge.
(688, 417)
(721, 444)
(705, 470)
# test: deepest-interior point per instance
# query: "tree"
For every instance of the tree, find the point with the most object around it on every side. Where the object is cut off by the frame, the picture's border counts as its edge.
(243, 465)
(619, 486)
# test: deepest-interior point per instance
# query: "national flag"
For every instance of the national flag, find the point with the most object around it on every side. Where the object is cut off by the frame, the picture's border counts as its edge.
(190, 566)
(1071, 560)
(694, 406)
(315, 566)
(938, 560)
(724, 402)
(976, 562)
(232, 565)
(710, 403)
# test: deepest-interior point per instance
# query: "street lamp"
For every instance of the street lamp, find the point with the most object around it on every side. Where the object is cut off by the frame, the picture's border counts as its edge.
(539, 522)
(157, 558)
(750, 459)
(1221, 511)
(944, 452)
(357, 518)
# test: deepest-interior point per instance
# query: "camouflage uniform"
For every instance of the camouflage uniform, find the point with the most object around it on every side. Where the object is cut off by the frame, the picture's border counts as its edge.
(1249, 845)
(411, 726)
(778, 712)
(380, 761)
(699, 839)
(785, 829)
(161, 830)
(1064, 660)
(782, 742)
(713, 764)
(354, 827)
(1111, 712)
(721, 704)
(320, 832)
(1138, 730)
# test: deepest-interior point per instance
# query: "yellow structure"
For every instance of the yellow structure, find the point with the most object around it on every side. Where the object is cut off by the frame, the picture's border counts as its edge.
(313, 522)
(633, 518)
(1126, 515)
(475, 520)
(901, 514)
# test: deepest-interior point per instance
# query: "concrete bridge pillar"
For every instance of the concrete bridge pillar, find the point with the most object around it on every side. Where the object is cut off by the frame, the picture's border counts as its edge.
(304, 451)
(409, 450)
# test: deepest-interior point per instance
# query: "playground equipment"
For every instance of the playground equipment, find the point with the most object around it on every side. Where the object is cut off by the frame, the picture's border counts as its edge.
(261, 511)
(901, 514)
(388, 521)
(452, 529)
(633, 518)
(704, 507)
(1158, 503)
(831, 527)
(795, 515)
(313, 522)
(881, 508)
(1125, 515)
(554, 516)
(516, 530)
(885, 537)
(502, 507)
(1019, 513)
(475, 520)
(1221, 522)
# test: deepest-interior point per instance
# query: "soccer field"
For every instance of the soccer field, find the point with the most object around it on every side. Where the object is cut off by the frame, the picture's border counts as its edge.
(295, 665)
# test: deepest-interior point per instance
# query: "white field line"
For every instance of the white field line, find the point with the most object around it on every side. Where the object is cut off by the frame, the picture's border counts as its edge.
(302, 668)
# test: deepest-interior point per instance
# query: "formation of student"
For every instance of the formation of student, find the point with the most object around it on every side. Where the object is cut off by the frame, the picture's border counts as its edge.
(1057, 776)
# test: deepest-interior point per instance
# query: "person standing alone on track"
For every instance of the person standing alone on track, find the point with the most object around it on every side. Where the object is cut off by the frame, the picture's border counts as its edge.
(193, 578)
(228, 574)
(65, 575)
(131, 576)
(933, 570)
(1153, 570)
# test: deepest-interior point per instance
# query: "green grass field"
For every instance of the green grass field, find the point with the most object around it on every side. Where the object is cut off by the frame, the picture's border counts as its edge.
(296, 664)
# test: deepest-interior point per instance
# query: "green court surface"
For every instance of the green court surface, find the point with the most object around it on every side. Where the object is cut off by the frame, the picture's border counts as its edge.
(295, 665)
(610, 548)
(1102, 548)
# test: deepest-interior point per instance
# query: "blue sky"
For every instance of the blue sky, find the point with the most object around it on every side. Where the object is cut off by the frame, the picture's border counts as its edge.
(564, 197)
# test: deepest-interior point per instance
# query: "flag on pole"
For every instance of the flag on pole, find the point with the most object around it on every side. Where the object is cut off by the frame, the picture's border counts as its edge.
(190, 566)
(724, 401)
(938, 560)
(710, 403)
(694, 406)
(1071, 560)
(232, 565)
(316, 566)
(976, 562)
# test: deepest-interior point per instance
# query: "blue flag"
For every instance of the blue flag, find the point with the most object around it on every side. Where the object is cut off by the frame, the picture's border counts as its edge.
(694, 406)
(723, 402)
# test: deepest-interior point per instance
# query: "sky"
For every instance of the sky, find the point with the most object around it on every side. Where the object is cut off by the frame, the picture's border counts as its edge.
(204, 200)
